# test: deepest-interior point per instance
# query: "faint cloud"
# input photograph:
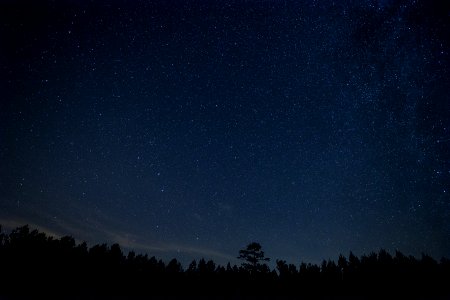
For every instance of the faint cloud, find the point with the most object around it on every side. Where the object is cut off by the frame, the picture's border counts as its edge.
(11, 224)
(95, 231)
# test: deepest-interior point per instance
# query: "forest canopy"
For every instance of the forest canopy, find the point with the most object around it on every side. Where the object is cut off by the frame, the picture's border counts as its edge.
(50, 266)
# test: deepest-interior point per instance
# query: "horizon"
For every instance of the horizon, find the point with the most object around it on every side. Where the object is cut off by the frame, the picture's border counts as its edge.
(235, 261)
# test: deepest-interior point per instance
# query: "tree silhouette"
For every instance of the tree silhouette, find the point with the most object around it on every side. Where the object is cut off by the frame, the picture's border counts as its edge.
(103, 271)
(174, 266)
(192, 267)
(252, 256)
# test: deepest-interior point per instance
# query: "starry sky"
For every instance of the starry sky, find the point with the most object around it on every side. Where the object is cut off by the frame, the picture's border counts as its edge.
(189, 129)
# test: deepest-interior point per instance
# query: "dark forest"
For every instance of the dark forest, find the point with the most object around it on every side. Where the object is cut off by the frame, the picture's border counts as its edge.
(35, 264)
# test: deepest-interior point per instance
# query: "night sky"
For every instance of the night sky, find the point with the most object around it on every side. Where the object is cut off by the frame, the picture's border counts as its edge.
(189, 129)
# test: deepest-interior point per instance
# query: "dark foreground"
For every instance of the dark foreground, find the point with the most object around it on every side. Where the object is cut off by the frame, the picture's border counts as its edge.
(33, 265)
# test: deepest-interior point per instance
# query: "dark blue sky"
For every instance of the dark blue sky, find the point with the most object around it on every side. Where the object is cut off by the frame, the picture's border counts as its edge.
(191, 128)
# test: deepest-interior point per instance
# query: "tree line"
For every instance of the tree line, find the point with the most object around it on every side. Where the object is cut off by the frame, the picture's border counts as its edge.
(35, 264)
